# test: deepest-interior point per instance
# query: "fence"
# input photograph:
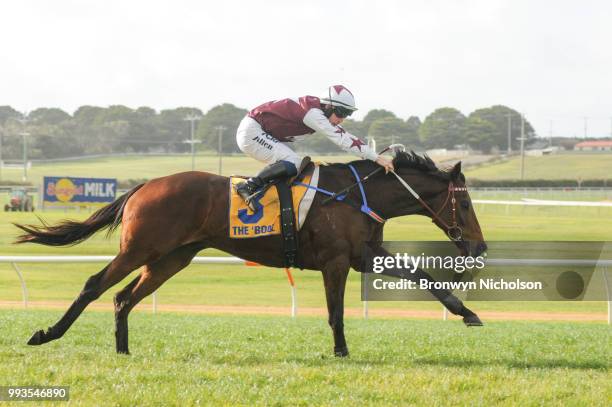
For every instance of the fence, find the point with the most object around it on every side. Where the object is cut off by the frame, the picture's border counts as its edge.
(542, 202)
(14, 260)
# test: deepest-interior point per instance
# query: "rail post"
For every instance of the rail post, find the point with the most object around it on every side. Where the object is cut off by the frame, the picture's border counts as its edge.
(293, 293)
(24, 289)
(608, 293)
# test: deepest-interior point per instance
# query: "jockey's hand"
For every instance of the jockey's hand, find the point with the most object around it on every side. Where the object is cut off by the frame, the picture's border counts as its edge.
(386, 162)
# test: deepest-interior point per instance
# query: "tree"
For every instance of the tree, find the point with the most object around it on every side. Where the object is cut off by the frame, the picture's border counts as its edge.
(89, 133)
(144, 131)
(413, 124)
(226, 115)
(443, 128)
(174, 129)
(54, 140)
(479, 133)
(391, 130)
(358, 128)
(114, 113)
(86, 115)
(374, 115)
(52, 116)
(7, 112)
(498, 116)
(10, 128)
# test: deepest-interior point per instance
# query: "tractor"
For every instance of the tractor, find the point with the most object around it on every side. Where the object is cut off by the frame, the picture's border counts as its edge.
(20, 201)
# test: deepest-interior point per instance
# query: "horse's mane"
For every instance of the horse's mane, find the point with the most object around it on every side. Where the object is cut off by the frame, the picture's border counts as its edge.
(413, 160)
(403, 159)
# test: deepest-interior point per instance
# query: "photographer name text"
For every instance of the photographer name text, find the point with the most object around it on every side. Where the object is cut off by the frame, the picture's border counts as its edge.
(484, 284)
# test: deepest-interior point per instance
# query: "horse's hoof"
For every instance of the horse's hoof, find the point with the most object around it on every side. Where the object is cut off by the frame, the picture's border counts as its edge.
(472, 320)
(38, 338)
(341, 353)
(123, 352)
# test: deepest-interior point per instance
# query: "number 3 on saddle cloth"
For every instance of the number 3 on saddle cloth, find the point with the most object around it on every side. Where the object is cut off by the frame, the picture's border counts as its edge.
(266, 220)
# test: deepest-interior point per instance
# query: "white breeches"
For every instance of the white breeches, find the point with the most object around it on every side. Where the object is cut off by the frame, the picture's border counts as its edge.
(255, 142)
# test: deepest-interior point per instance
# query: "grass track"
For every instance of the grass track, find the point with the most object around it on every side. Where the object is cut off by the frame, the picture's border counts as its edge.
(188, 360)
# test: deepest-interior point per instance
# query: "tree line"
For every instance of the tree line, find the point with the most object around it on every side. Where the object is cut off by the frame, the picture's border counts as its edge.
(91, 130)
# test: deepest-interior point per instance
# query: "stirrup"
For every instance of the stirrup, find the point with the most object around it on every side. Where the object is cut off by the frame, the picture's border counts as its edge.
(250, 201)
(259, 193)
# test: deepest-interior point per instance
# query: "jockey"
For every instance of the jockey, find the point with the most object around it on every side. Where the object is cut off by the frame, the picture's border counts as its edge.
(264, 132)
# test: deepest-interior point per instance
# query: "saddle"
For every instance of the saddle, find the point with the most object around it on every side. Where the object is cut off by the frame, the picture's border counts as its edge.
(280, 209)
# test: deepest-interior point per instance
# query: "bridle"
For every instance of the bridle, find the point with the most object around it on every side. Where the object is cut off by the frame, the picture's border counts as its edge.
(454, 231)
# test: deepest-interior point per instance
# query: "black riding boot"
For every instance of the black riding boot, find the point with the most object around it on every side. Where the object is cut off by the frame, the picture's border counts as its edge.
(272, 172)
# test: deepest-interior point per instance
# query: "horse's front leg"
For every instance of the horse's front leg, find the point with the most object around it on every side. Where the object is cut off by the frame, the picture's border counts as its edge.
(448, 299)
(335, 273)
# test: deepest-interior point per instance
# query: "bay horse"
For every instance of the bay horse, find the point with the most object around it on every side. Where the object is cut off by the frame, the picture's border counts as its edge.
(167, 221)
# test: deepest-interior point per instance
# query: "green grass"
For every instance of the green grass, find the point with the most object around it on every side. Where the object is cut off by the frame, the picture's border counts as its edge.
(190, 360)
(560, 166)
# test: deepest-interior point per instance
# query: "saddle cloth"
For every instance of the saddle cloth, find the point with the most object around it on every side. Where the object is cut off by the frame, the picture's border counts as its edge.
(244, 223)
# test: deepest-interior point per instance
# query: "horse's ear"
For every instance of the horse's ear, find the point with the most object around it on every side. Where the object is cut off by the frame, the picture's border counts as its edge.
(456, 171)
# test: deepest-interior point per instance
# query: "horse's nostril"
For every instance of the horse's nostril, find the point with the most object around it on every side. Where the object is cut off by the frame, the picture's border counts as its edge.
(481, 248)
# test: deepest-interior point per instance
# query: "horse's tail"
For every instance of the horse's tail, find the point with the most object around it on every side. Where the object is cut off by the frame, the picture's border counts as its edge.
(69, 232)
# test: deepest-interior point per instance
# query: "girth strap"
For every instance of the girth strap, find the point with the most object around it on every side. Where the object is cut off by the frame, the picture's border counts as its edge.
(288, 228)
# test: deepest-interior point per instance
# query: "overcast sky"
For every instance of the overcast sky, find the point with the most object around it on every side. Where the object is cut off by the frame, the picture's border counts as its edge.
(551, 60)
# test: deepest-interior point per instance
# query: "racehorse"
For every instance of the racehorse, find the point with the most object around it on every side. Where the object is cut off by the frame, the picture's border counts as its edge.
(167, 221)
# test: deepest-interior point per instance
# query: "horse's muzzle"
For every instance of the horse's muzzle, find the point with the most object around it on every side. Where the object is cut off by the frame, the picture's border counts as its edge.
(480, 248)
(471, 248)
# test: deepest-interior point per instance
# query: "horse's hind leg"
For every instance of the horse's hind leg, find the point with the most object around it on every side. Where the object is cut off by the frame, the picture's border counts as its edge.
(335, 273)
(151, 278)
(96, 285)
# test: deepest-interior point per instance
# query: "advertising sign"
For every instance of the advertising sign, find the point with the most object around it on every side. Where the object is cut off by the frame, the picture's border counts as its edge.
(75, 192)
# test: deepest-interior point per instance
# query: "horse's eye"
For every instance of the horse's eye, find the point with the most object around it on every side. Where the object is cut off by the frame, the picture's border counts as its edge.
(465, 204)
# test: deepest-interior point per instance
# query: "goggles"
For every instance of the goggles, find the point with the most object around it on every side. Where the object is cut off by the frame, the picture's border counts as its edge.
(342, 112)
